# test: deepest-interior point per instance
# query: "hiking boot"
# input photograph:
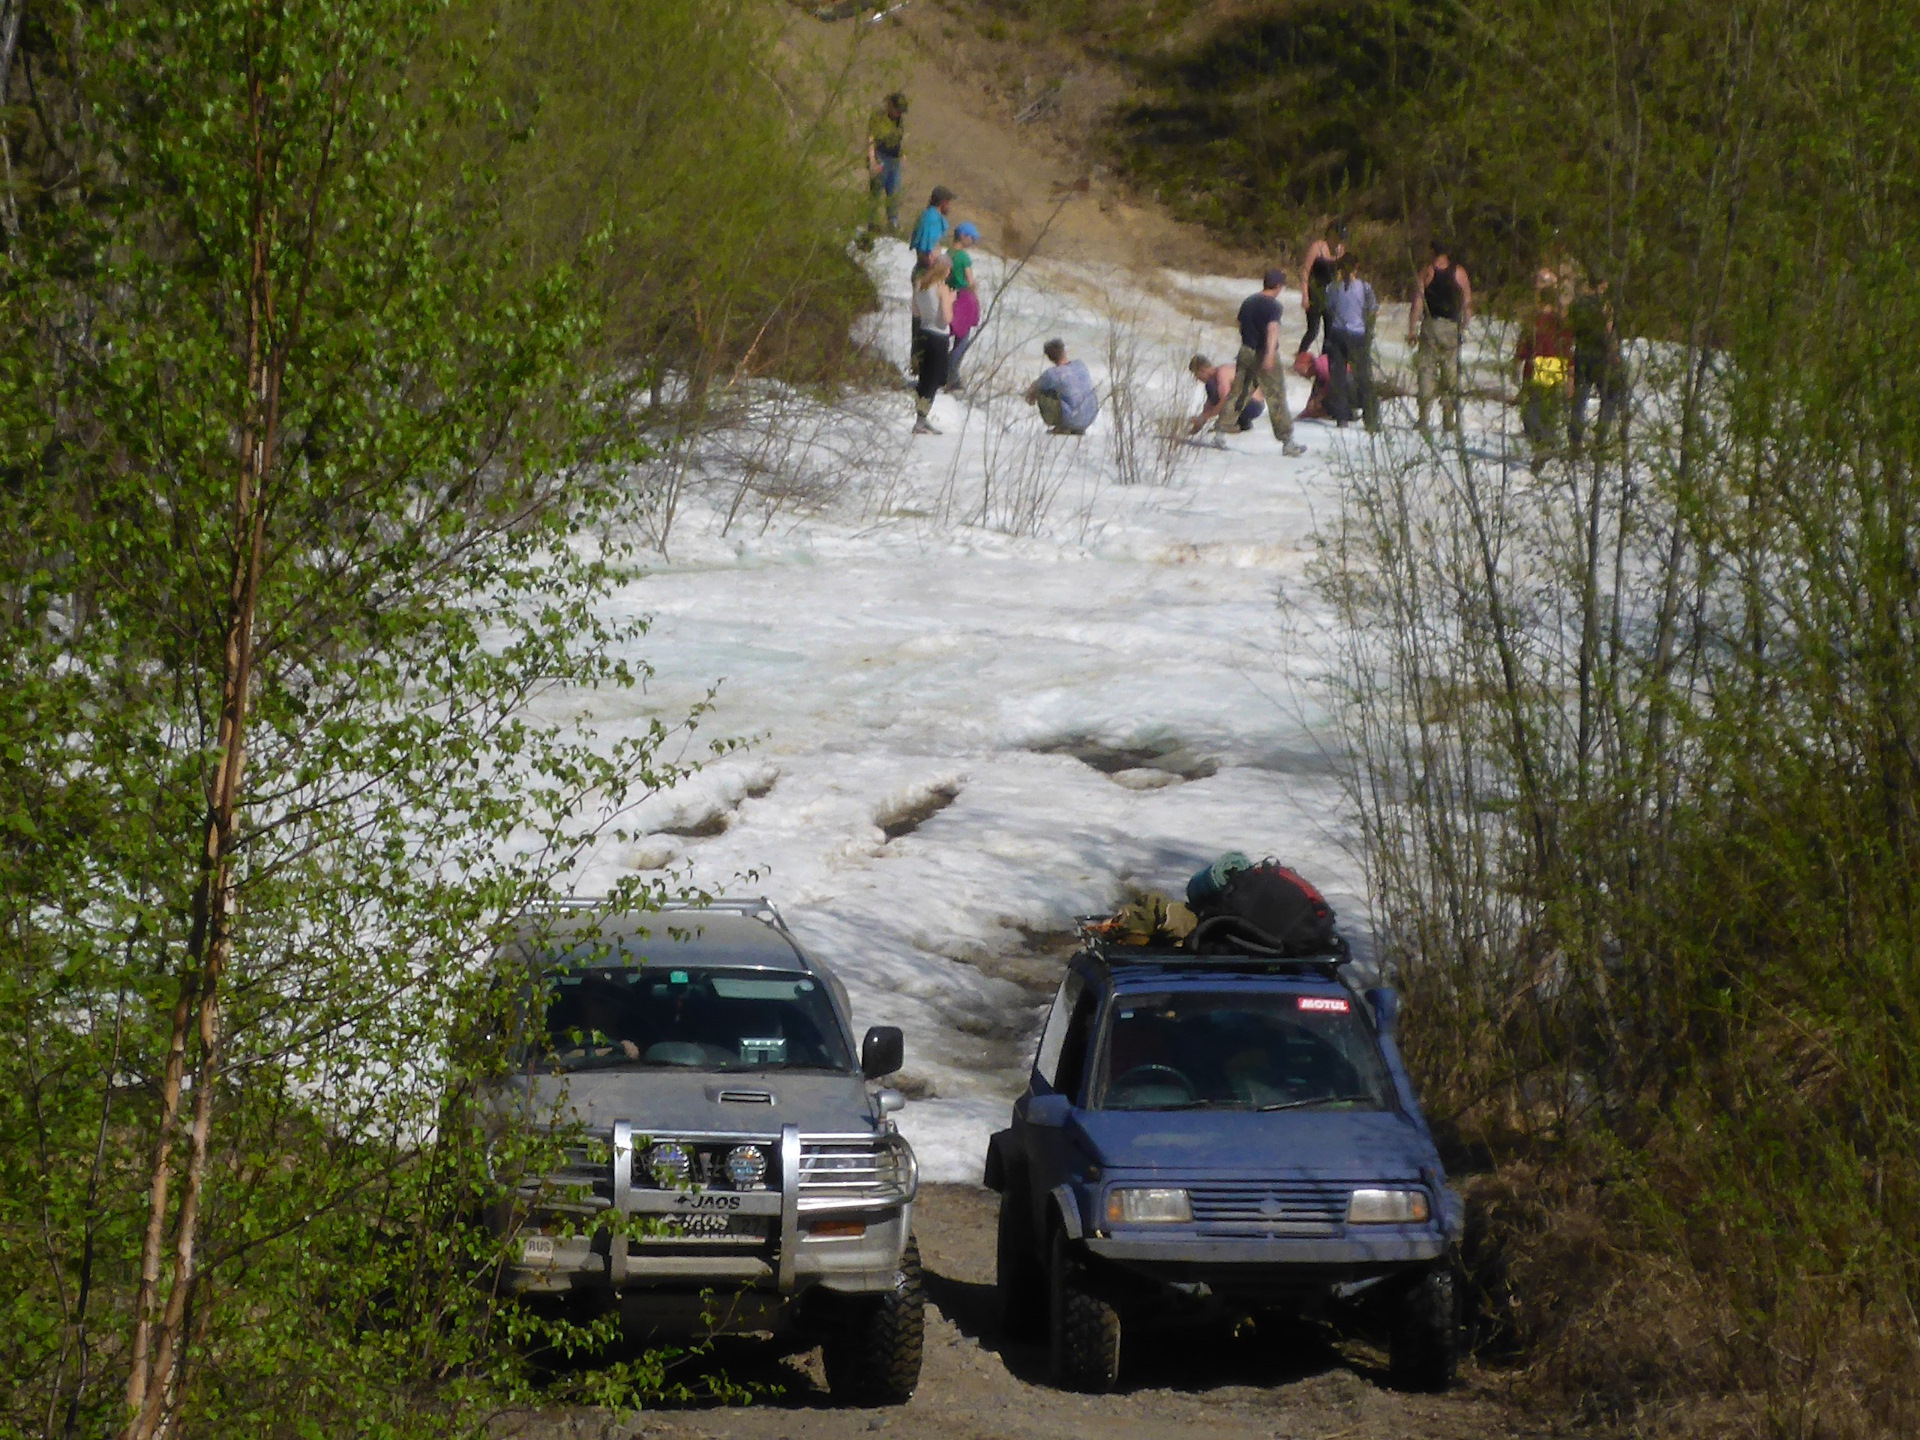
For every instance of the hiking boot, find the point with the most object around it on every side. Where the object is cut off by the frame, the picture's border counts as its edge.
(923, 426)
(1292, 449)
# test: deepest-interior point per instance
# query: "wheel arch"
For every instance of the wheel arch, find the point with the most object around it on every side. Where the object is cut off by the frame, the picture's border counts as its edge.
(1063, 1214)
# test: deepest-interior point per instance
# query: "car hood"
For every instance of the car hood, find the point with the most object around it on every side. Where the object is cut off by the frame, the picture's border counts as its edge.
(1320, 1145)
(693, 1101)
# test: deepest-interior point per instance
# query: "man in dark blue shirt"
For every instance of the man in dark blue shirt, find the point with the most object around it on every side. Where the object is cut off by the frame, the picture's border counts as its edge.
(1256, 365)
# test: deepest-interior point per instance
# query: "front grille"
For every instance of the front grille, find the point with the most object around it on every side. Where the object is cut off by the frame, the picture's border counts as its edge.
(583, 1182)
(1262, 1204)
(729, 1231)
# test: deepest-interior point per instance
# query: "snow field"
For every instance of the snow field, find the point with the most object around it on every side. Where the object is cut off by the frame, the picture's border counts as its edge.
(962, 737)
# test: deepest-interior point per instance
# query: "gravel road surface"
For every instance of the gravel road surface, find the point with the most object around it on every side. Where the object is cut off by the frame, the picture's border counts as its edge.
(1302, 1384)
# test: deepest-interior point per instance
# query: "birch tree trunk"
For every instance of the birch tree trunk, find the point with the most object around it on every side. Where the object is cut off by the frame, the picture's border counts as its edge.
(158, 1338)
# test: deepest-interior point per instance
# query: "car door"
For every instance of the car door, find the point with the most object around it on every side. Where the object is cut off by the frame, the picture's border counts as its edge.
(1059, 1068)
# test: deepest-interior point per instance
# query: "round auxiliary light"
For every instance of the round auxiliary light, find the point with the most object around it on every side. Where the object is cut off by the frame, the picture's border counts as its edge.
(747, 1167)
(670, 1163)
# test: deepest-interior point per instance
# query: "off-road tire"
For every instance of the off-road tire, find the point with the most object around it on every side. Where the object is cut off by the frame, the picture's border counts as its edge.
(1423, 1344)
(873, 1357)
(1085, 1349)
(1020, 1279)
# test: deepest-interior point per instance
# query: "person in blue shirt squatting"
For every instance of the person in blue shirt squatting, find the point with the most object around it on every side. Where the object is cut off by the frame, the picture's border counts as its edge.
(1064, 392)
(928, 231)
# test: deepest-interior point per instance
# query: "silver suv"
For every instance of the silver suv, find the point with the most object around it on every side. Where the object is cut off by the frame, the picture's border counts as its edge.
(729, 1169)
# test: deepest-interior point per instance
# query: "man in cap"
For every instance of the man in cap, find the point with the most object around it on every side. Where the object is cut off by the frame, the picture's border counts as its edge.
(1256, 365)
(931, 228)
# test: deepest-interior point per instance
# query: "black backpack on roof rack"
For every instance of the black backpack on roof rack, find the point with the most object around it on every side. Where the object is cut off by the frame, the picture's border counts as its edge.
(1263, 908)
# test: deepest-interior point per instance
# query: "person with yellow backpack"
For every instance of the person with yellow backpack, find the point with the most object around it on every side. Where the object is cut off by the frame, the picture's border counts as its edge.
(1544, 357)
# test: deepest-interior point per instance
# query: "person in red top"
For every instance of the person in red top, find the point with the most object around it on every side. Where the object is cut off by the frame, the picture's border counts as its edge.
(1544, 358)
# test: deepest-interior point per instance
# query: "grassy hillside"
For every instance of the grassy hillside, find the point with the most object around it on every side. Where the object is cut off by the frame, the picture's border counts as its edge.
(711, 181)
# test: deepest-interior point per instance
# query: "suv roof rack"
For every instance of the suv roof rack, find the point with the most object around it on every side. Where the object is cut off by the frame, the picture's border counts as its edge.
(739, 905)
(1114, 955)
(754, 907)
(1248, 951)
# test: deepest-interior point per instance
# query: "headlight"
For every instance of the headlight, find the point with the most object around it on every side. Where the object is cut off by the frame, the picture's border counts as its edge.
(1387, 1207)
(670, 1164)
(746, 1167)
(1148, 1207)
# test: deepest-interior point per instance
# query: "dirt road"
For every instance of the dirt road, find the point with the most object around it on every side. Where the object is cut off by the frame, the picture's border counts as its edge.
(1011, 176)
(1304, 1384)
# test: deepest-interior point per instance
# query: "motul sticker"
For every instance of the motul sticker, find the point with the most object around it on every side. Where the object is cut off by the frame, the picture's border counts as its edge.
(1323, 1004)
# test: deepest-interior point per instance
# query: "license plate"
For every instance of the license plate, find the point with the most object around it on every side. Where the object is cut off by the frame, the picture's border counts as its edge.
(536, 1249)
(722, 1228)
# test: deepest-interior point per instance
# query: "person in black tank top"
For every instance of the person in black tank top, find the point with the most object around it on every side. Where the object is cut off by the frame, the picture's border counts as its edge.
(1442, 294)
(1316, 273)
(1442, 308)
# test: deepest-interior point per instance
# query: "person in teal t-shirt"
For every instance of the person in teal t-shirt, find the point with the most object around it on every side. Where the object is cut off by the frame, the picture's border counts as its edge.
(931, 228)
(963, 234)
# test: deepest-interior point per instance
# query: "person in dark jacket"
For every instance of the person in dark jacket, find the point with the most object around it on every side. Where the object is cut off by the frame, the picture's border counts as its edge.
(1597, 365)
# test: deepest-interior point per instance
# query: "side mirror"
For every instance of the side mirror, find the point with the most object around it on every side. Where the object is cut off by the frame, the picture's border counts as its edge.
(1386, 1009)
(1050, 1111)
(883, 1051)
(891, 1102)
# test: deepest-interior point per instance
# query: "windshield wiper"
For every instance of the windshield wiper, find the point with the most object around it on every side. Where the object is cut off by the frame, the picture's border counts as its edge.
(1317, 1100)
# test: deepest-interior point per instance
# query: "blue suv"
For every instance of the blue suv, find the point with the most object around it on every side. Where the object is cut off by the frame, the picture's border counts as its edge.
(1213, 1136)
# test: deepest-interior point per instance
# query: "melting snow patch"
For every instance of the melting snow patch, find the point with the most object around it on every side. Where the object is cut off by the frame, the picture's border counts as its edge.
(988, 712)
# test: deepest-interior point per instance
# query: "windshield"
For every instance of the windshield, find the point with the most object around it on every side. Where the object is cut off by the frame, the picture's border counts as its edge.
(1241, 1052)
(707, 1019)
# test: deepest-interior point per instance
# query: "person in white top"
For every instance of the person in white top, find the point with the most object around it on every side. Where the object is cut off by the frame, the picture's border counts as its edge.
(933, 311)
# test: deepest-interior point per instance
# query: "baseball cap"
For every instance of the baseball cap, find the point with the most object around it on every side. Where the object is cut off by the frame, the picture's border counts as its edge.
(1274, 279)
(966, 230)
